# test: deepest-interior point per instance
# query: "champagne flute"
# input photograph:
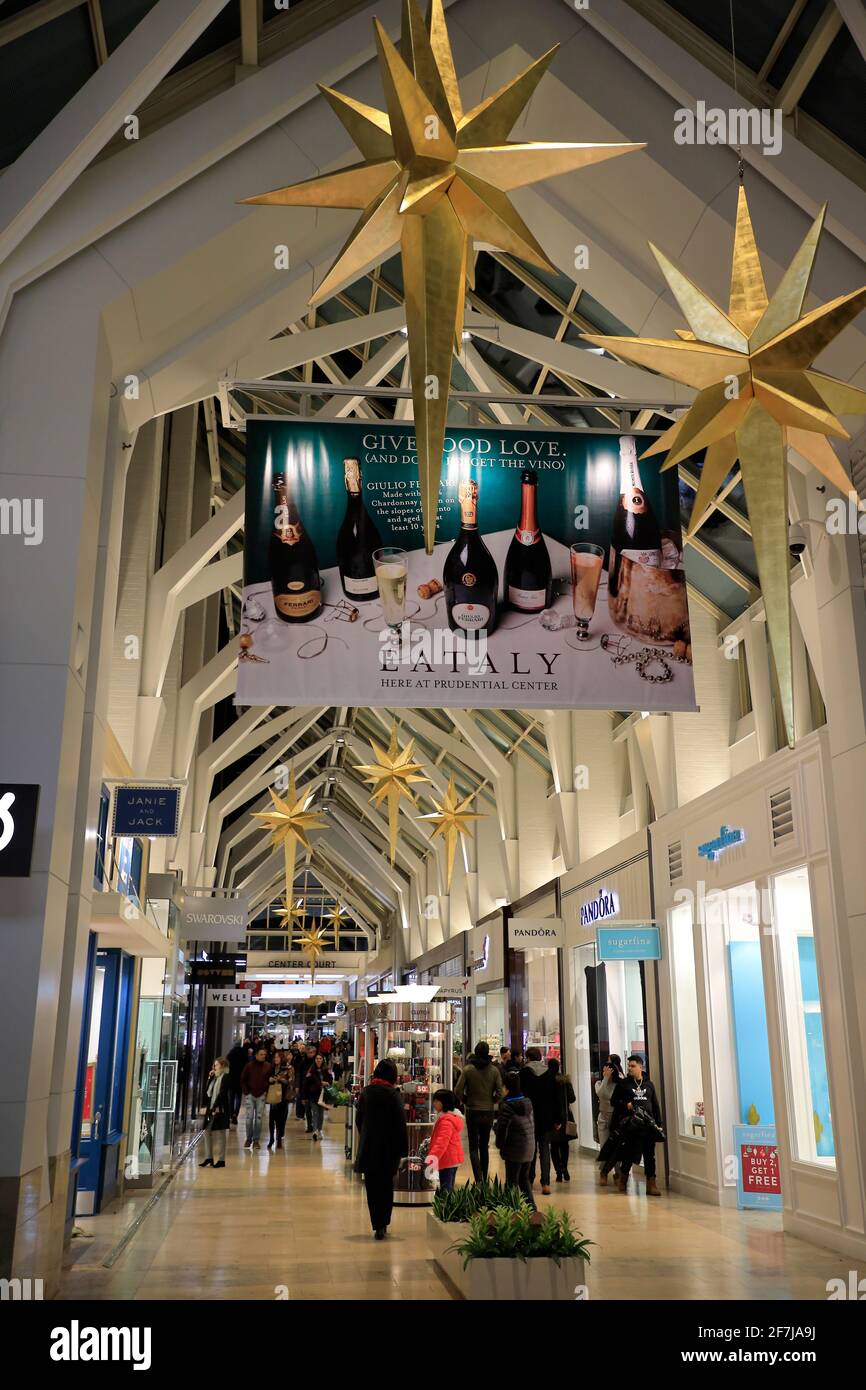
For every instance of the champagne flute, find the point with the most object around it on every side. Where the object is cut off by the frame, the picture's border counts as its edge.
(586, 562)
(392, 569)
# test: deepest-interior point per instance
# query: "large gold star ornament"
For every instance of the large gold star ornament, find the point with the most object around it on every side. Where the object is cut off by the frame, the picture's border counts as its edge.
(289, 825)
(451, 819)
(757, 393)
(312, 944)
(291, 914)
(392, 776)
(433, 178)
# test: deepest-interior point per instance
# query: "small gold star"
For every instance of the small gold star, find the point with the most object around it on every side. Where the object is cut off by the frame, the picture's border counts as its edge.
(292, 914)
(452, 820)
(390, 776)
(289, 825)
(312, 943)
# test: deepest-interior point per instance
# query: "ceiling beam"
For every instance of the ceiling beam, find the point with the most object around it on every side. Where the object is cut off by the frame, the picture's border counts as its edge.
(854, 15)
(34, 17)
(810, 57)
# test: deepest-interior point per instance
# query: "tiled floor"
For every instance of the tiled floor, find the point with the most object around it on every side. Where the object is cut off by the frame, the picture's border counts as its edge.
(298, 1219)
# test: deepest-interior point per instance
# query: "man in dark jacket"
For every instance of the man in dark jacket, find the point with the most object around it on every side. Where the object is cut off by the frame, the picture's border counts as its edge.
(382, 1141)
(254, 1085)
(305, 1058)
(479, 1089)
(237, 1058)
(637, 1093)
(515, 1136)
(537, 1085)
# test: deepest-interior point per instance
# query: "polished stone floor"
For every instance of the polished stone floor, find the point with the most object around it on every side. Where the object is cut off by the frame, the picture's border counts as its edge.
(294, 1224)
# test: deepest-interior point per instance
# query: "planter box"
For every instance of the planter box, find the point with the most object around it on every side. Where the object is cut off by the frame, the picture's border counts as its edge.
(494, 1280)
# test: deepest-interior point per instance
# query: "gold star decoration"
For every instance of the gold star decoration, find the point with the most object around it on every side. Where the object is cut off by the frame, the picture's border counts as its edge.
(452, 820)
(391, 776)
(433, 178)
(289, 825)
(292, 914)
(312, 943)
(337, 917)
(756, 395)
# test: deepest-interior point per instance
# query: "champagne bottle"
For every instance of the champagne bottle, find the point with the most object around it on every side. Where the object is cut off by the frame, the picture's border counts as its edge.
(528, 576)
(636, 534)
(357, 538)
(295, 575)
(469, 575)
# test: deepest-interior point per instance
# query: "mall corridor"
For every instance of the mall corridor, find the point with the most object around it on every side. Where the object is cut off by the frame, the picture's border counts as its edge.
(293, 1224)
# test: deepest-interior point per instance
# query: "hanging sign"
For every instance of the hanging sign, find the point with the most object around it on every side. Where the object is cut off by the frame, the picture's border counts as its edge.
(151, 811)
(547, 541)
(18, 807)
(629, 943)
(758, 1178)
(203, 918)
(524, 932)
(228, 998)
(605, 904)
(726, 837)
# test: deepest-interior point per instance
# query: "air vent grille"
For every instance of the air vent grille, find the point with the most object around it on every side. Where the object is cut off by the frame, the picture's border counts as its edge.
(675, 861)
(781, 815)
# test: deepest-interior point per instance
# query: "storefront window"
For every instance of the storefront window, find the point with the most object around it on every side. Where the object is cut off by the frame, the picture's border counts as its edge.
(541, 1021)
(491, 1013)
(690, 1085)
(806, 1063)
(609, 1017)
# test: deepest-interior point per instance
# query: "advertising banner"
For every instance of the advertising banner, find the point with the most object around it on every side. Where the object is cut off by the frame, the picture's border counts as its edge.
(758, 1178)
(557, 578)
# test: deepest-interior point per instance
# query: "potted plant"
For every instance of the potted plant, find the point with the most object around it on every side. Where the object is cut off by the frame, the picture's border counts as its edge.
(517, 1254)
(462, 1203)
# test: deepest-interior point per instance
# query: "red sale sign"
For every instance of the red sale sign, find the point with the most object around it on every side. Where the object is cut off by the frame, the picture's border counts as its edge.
(759, 1179)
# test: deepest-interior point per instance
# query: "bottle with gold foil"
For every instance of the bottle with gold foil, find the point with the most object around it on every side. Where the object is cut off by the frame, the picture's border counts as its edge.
(357, 538)
(295, 577)
(470, 575)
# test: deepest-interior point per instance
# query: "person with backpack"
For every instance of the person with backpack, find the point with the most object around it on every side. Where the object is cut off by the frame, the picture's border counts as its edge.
(480, 1089)
(515, 1136)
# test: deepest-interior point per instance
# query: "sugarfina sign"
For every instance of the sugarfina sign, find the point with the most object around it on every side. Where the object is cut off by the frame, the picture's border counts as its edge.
(711, 849)
(599, 909)
(524, 932)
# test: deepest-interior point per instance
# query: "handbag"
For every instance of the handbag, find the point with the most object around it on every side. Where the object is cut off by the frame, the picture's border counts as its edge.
(275, 1093)
(569, 1130)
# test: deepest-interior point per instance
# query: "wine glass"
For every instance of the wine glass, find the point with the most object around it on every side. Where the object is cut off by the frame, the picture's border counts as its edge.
(392, 570)
(586, 562)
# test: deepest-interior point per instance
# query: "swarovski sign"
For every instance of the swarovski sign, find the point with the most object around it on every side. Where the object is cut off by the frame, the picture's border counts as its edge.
(599, 909)
(204, 918)
(524, 932)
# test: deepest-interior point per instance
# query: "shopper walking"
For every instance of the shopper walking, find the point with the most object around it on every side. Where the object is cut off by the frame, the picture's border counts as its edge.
(278, 1098)
(237, 1058)
(637, 1120)
(563, 1120)
(217, 1115)
(480, 1088)
(537, 1087)
(504, 1061)
(254, 1086)
(382, 1141)
(446, 1147)
(316, 1078)
(515, 1136)
(611, 1074)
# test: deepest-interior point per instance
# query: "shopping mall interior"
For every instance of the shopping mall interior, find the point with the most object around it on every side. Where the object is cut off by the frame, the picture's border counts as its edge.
(509, 357)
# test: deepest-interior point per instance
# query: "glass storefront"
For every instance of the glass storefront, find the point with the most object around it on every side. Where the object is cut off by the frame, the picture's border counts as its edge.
(491, 1019)
(541, 1022)
(690, 1083)
(609, 1017)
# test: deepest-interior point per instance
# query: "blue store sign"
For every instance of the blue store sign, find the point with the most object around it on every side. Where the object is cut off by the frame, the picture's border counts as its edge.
(629, 943)
(711, 849)
(150, 811)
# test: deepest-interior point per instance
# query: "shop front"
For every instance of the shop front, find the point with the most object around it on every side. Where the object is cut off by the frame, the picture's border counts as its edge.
(485, 964)
(744, 886)
(534, 976)
(609, 972)
(446, 967)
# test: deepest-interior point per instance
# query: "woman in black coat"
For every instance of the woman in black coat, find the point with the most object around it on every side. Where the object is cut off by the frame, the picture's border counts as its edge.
(563, 1100)
(218, 1113)
(382, 1141)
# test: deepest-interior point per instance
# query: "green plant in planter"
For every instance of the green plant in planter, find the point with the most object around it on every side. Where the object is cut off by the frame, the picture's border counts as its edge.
(506, 1234)
(464, 1202)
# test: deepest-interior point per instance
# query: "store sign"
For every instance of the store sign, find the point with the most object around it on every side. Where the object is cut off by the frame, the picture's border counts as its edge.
(453, 986)
(18, 806)
(599, 908)
(629, 943)
(348, 962)
(726, 837)
(480, 962)
(204, 918)
(524, 932)
(229, 998)
(151, 811)
(758, 1177)
(485, 635)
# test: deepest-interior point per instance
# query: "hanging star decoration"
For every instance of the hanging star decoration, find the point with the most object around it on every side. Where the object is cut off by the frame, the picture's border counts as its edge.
(312, 943)
(292, 914)
(392, 776)
(337, 917)
(451, 819)
(757, 394)
(433, 178)
(289, 825)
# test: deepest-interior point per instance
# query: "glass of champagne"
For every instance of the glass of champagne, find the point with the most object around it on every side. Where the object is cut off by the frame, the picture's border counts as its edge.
(392, 569)
(586, 562)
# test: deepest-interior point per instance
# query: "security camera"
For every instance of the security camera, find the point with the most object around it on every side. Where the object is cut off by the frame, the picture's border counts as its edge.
(798, 539)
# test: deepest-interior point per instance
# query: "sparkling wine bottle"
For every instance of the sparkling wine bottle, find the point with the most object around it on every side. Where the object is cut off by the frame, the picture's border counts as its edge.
(469, 575)
(357, 538)
(295, 575)
(636, 534)
(528, 576)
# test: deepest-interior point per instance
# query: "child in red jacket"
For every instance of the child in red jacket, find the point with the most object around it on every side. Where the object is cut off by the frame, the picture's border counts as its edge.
(446, 1151)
